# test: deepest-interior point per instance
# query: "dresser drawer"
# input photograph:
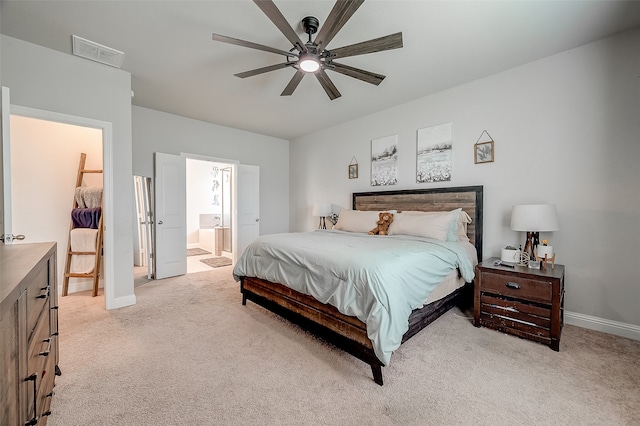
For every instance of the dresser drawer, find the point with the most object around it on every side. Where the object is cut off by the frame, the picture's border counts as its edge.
(37, 298)
(512, 286)
(39, 350)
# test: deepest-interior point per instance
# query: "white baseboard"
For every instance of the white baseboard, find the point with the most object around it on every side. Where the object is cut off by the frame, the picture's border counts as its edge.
(121, 302)
(81, 284)
(616, 328)
(85, 284)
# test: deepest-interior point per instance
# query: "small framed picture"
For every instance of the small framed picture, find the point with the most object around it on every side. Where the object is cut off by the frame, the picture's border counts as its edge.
(353, 171)
(483, 152)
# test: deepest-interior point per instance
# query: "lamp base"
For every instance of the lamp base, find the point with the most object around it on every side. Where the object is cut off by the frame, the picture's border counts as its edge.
(323, 223)
(531, 245)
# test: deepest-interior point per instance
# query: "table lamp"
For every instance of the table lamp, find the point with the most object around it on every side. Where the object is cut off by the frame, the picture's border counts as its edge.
(533, 218)
(323, 210)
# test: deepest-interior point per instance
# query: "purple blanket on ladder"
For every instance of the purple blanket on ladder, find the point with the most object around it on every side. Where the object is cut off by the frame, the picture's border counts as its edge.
(86, 218)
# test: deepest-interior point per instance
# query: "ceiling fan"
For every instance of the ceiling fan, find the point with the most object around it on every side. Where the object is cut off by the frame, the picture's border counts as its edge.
(313, 56)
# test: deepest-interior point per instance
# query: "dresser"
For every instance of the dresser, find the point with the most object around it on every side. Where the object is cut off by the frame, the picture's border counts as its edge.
(525, 302)
(28, 332)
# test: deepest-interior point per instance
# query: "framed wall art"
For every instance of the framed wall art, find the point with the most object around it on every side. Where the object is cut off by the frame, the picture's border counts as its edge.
(483, 151)
(353, 169)
(434, 153)
(384, 161)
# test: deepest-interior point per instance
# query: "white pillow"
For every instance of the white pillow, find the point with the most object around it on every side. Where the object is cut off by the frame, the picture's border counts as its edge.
(356, 220)
(434, 225)
(461, 231)
(457, 230)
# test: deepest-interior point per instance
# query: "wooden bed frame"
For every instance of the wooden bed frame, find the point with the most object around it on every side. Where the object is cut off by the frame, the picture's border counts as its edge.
(347, 332)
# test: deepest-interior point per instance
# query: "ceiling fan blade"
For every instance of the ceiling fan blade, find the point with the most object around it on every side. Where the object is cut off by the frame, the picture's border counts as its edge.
(293, 83)
(274, 14)
(368, 76)
(243, 43)
(264, 69)
(339, 15)
(327, 84)
(392, 41)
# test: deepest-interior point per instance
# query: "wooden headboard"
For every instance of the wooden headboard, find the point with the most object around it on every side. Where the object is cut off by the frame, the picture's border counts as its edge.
(469, 198)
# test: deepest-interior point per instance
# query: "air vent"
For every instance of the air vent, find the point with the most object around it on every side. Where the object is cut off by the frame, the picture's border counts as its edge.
(97, 52)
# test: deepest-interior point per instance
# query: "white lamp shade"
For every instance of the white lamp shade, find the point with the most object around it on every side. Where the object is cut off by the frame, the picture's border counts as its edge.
(321, 209)
(534, 218)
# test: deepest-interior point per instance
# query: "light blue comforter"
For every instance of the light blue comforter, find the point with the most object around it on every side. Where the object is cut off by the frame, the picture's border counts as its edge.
(378, 279)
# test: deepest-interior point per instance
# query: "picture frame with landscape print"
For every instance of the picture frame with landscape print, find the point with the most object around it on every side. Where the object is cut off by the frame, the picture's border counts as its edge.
(384, 161)
(434, 153)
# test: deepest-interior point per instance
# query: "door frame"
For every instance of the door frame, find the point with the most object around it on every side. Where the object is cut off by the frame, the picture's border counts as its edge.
(107, 176)
(234, 193)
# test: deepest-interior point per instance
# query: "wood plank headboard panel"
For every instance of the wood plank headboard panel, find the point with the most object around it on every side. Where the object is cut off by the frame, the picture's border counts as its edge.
(469, 198)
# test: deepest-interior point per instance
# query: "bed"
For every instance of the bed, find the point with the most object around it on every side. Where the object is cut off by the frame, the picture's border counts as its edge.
(354, 325)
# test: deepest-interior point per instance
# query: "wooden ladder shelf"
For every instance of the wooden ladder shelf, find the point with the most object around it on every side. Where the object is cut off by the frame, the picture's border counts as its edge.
(95, 274)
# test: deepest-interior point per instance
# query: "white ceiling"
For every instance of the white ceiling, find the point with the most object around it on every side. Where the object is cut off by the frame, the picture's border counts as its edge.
(177, 68)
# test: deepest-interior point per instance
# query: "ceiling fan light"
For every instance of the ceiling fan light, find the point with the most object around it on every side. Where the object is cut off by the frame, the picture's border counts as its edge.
(308, 63)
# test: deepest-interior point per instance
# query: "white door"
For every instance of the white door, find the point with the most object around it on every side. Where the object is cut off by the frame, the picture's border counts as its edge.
(5, 163)
(170, 223)
(248, 207)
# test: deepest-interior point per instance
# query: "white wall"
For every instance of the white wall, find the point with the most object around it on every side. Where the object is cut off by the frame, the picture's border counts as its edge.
(44, 168)
(49, 80)
(566, 131)
(155, 131)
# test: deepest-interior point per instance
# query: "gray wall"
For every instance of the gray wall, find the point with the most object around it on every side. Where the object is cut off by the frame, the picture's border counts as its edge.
(53, 81)
(566, 131)
(155, 131)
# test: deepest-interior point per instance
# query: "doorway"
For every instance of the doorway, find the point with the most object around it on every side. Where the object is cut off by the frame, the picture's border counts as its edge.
(170, 223)
(209, 214)
(44, 165)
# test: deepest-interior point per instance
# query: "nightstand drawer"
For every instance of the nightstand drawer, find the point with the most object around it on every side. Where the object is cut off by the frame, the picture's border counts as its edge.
(512, 286)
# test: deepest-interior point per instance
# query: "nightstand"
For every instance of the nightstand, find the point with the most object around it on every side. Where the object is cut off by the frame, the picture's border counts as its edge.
(525, 302)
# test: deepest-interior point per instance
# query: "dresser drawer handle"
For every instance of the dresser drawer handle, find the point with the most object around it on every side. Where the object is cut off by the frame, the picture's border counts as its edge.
(513, 285)
(48, 350)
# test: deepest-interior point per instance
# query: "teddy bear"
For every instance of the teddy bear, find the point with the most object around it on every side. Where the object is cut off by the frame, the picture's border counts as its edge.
(384, 220)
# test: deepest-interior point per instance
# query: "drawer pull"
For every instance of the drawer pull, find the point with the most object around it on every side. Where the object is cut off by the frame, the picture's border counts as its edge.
(513, 285)
(33, 378)
(48, 351)
(42, 296)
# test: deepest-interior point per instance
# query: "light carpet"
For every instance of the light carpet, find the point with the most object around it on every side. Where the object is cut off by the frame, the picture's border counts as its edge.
(189, 353)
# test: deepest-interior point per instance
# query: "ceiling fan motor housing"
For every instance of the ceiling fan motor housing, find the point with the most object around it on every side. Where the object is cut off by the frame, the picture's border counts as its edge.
(310, 24)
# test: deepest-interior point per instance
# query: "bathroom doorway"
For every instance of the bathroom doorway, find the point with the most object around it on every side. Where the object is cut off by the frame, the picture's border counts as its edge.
(209, 214)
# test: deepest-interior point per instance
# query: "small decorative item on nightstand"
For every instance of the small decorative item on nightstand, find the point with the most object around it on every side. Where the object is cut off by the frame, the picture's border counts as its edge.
(545, 254)
(510, 254)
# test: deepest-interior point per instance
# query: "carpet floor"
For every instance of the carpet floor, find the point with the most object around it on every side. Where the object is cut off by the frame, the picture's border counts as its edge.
(189, 353)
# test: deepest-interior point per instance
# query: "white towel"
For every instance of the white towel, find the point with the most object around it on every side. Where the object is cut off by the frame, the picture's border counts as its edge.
(83, 239)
